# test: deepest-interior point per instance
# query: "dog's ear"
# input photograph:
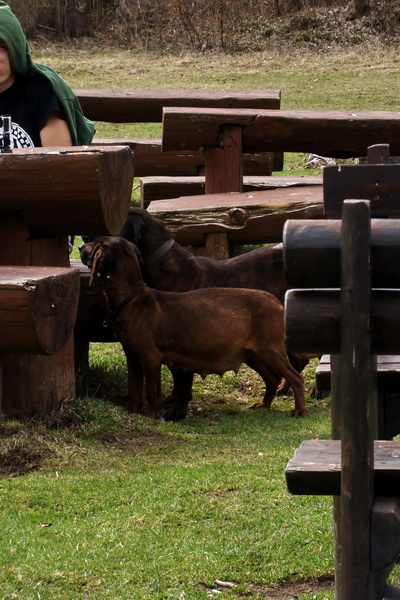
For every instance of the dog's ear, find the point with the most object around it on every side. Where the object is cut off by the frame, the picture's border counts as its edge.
(98, 263)
(132, 250)
(132, 229)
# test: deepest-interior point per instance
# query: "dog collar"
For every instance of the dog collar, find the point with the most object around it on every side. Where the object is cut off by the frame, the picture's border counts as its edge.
(113, 314)
(163, 249)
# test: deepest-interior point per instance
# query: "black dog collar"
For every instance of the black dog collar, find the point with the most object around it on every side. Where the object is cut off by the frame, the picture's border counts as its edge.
(113, 314)
(163, 249)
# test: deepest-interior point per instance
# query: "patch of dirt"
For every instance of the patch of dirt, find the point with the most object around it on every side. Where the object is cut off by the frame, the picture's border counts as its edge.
(295, 589)
(18, 459)
(286, 591)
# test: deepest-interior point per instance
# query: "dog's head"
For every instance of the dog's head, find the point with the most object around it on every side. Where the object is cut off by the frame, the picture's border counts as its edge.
(103, 253)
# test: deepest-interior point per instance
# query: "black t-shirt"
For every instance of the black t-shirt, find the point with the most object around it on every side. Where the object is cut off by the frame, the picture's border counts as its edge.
(29, 101)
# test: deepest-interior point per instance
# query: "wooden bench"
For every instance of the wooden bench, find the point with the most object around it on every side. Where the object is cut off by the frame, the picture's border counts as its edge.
(164, 188)
(146, 106)
(38, 308)
(46, 195)
(354, 323)
(225, 134)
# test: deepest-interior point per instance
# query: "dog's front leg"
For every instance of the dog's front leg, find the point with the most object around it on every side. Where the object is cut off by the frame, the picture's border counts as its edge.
(135, 382)
(152, 377)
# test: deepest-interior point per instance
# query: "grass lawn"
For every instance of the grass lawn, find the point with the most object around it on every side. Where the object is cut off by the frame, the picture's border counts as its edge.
(97, 504)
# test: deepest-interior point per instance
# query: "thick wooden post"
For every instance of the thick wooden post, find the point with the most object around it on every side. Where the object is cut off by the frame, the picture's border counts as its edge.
(223, 173)
(358, 405)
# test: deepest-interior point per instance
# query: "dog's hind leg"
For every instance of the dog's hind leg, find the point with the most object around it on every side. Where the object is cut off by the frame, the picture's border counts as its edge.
(176, 404)
(280, 364)
(135, 382)
(270, 379)
(299, 363)
(273, 368)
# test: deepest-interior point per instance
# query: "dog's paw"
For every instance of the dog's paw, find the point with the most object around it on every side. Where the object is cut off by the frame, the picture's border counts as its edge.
(299, 412)
(174, 415)
(259, 405)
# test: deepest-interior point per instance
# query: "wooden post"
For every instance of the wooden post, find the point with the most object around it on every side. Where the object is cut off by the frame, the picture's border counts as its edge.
(223, 173)
(358, 405)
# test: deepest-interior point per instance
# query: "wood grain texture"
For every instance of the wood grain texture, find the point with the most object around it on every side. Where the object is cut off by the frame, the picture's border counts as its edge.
(339, 134)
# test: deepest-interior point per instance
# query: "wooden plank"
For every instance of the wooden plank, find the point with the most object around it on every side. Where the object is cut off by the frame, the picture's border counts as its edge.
(249, 218)
(164, 188)
(378, 183)
(340, 134)
(149, 160)
(38, 307)
(67, 191)
(316, 465)
(388, 373)
(145, 106)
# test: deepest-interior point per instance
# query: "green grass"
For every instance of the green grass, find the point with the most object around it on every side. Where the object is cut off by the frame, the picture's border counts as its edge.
(99, 504)
(124, 507)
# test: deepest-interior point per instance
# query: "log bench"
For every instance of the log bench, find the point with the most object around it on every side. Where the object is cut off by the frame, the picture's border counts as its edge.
(348, 307)
(46, 195)
(225, 134)
(146, 106)
(165, 188)
(38, 307)
(377, 181)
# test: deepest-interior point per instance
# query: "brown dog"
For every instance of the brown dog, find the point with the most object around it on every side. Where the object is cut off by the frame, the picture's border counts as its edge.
(170, 267)
(203, 331)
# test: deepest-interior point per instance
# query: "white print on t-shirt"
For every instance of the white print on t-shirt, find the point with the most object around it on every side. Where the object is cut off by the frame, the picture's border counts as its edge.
(19, 137)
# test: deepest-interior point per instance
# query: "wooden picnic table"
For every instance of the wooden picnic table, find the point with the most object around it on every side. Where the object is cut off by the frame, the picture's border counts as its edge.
(47, 192)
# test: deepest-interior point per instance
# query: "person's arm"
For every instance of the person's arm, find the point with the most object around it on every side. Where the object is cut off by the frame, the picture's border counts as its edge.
(55, 132)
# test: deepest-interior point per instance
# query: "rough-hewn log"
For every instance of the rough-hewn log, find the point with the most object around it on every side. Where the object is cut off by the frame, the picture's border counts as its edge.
(165, 188)
(38, 308)
(149, 160)
(67, 190)
(313, 321)
(249, 218)
(340, 134)
(312, 253)
(145, 106)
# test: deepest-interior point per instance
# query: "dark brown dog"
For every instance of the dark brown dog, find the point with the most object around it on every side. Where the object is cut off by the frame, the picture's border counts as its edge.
(170, 267)
(201, 331)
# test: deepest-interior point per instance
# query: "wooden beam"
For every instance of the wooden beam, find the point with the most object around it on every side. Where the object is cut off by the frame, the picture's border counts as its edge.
(316, 466)
(247, 218)
(145, 106)
(340, 134)
(68, 190)
(165, 188)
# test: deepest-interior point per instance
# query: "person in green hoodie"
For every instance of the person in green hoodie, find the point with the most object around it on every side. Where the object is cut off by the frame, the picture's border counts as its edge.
(44, 110)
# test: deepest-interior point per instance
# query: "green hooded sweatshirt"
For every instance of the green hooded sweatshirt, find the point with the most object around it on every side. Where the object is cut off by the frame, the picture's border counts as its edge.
(82, 130)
